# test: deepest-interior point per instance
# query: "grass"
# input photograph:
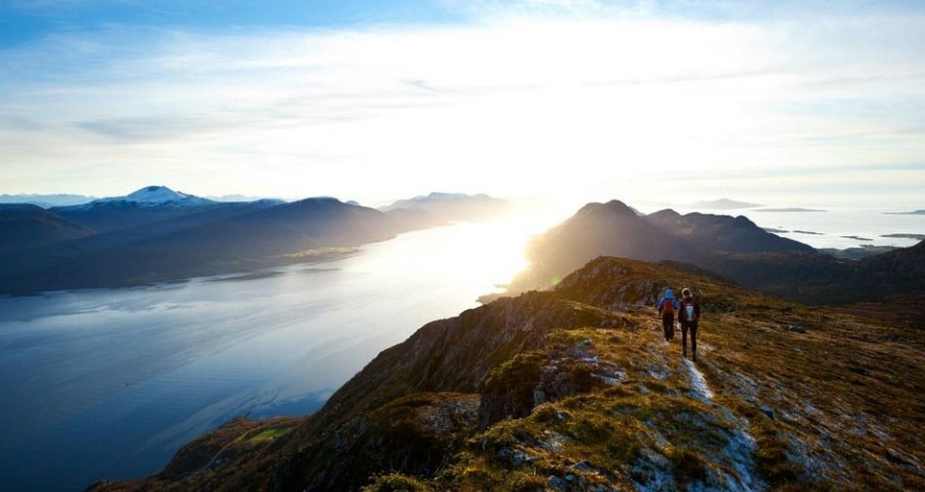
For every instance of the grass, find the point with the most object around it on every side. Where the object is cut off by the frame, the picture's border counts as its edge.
(268, 435)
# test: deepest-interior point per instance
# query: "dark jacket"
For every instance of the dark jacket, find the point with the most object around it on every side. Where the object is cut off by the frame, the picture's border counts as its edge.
(682, 312)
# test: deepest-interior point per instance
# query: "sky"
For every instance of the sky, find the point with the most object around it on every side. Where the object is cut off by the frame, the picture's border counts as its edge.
(786, 103)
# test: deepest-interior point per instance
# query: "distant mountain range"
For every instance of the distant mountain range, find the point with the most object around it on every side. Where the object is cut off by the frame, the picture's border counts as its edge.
(157, 234)
(236, 198)
(442, 208)
(735, 248)
(47, 201)
(914, 212)
(722, 204)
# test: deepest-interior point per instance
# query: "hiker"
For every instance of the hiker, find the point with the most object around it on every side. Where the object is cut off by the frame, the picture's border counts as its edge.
(688, 316)
(667, 305)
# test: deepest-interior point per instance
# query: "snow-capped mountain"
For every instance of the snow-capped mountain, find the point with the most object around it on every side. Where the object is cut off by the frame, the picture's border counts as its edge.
(151, 196)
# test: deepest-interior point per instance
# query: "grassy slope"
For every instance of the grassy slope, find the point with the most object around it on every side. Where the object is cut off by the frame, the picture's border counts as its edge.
(599, 402)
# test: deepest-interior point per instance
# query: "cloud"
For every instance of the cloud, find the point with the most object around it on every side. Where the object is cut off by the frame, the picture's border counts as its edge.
(520, 104)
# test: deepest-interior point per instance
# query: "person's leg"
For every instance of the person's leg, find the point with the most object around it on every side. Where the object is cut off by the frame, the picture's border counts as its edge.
(684, 339)
(693, 329)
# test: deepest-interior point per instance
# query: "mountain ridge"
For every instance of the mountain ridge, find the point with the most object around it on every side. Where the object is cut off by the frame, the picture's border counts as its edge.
(734, 248)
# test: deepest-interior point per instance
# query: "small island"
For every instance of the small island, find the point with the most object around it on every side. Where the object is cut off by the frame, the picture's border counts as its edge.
(904, 235)
(914, 212)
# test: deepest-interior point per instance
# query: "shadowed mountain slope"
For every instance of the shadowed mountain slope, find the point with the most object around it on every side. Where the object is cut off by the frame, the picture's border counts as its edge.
(614, 229)
(25, 227)
(733, 247)
(208, 240)
(575, 390)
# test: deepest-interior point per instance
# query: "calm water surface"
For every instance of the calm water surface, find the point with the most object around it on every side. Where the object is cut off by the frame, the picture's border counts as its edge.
(110, 383)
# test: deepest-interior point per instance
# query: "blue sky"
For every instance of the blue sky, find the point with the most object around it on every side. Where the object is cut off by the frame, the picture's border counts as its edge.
(23, 21)
(791, 103)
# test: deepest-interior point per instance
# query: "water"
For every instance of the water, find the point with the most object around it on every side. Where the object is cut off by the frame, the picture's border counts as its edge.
(110, 383)
(832, 225)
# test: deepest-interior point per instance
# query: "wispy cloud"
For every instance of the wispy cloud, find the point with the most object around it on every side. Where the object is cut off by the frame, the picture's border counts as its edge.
(519, 98)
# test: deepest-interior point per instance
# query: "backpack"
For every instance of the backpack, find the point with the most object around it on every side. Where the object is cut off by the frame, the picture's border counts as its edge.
(688, 311)
(667, 306)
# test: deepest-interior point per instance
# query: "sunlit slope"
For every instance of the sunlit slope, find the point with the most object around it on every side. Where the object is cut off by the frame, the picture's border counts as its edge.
(575, 389)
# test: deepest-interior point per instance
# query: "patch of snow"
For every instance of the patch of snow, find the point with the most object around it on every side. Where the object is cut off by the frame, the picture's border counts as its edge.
(701, 388)
(151, 196)
(741, 445)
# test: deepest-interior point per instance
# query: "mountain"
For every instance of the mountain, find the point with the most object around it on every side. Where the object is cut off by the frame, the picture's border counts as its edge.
(149, 204)
(204, 240)
(722, 233)
(47, 201)
(615, 229)
(574, 389)
(442, 208)
(241, 198)
(914, 212)
(722, 204)
(734, 248)
(151, 196)
(26, 226)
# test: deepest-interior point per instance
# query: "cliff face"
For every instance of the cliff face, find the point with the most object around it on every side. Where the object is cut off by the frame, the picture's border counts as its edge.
(576, 389)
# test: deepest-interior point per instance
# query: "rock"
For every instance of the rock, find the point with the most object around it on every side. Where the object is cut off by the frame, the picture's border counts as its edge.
(582, 466)
(797, 328)
(557, 483)
(515, 457)
(583, 344)
(767, 411)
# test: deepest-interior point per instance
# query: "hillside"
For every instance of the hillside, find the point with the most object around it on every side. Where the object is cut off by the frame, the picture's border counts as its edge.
(204, 240)
(575, 390)
(25, 227)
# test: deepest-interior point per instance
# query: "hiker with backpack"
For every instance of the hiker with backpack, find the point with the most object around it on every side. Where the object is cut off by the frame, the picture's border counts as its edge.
(688, 316)
(667, 306)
